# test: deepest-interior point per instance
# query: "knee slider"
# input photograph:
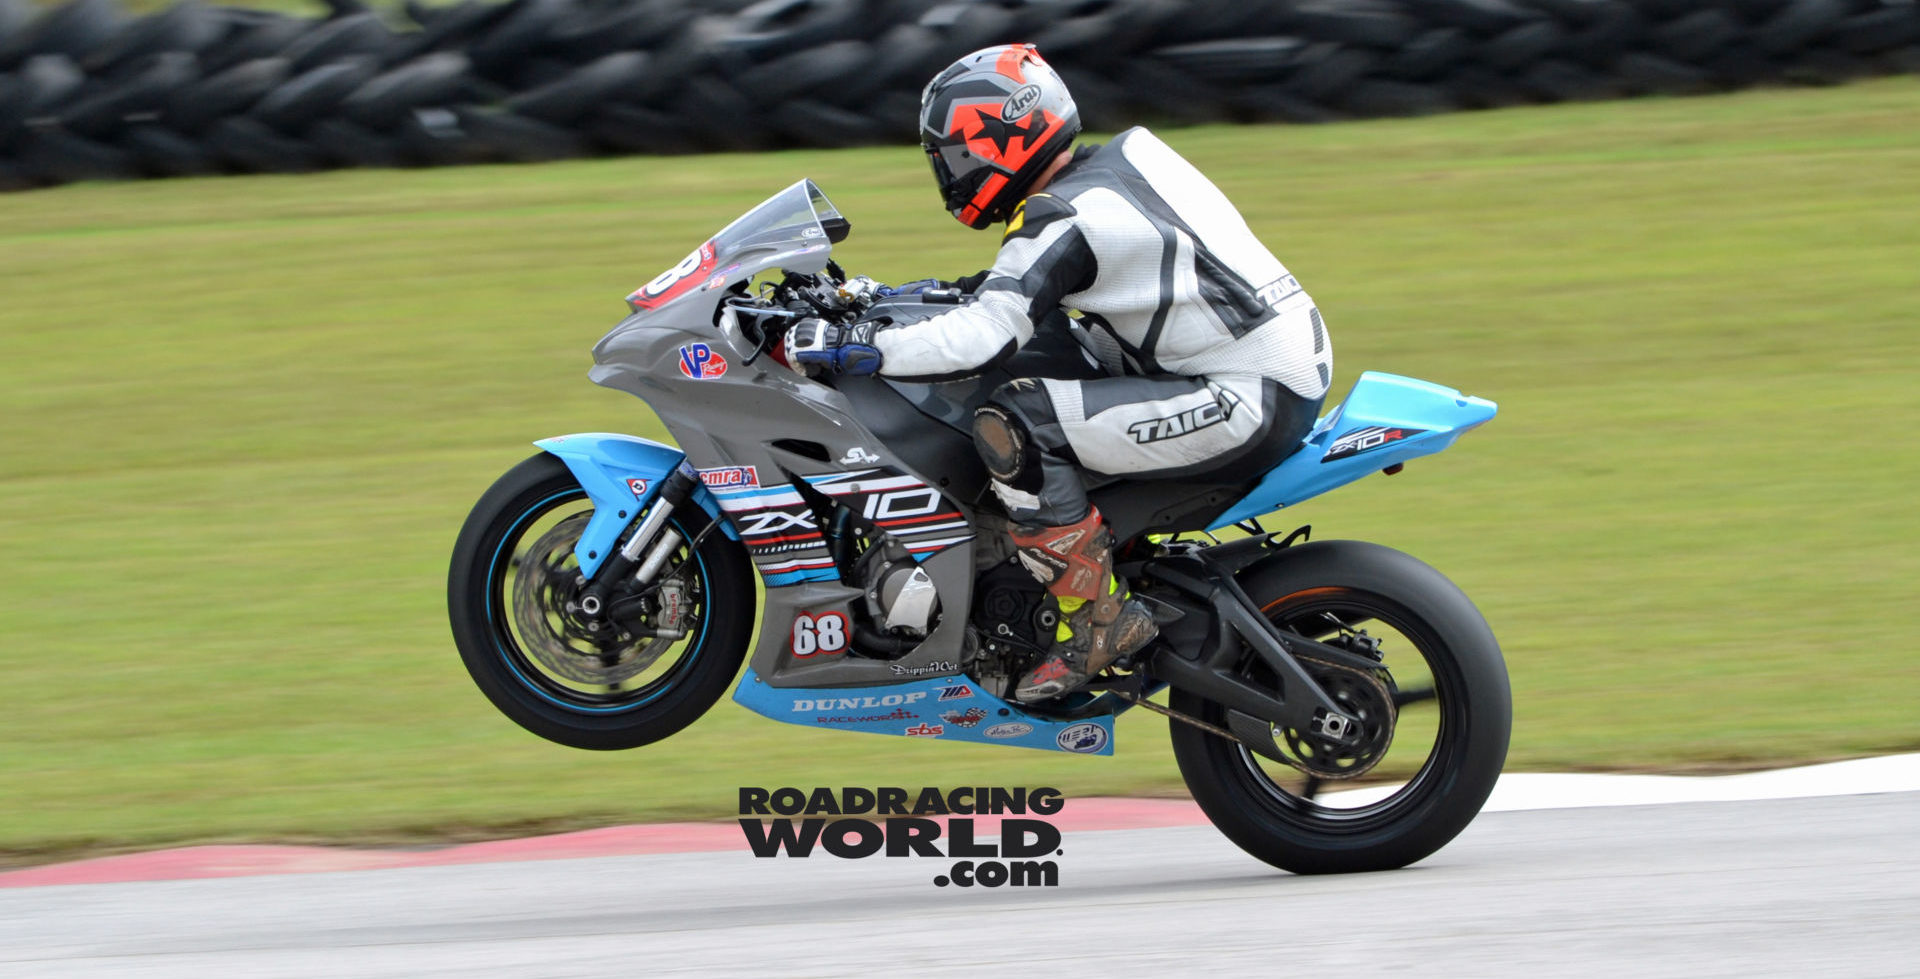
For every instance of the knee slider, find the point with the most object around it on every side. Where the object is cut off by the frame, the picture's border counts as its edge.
(1003, 442)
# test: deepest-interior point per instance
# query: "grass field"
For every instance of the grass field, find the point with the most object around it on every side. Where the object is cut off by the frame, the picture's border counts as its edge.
(246, 416)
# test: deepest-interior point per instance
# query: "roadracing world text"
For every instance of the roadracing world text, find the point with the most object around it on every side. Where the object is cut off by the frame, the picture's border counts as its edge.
(855, 823)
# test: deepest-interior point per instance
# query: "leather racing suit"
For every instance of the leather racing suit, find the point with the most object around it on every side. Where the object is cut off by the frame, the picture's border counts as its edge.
(1218, 359)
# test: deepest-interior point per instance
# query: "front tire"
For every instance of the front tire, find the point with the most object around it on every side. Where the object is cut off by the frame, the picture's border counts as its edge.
(1448, 680)
(512, 572)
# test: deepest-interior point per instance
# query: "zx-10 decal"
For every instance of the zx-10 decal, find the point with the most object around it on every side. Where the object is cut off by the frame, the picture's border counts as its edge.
(781, 533)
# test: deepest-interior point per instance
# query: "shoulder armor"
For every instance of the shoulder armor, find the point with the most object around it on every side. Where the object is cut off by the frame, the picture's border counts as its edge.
(1035, 213)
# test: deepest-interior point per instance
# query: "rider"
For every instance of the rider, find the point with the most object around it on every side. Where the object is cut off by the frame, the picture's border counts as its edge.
(1218, 361)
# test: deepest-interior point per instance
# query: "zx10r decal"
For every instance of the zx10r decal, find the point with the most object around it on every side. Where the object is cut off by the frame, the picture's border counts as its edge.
(781, 533)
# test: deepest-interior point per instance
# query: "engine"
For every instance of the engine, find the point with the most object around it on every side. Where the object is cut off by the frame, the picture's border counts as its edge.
(899, 593)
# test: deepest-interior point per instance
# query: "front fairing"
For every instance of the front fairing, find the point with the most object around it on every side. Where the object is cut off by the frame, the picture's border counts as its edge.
(793, 230)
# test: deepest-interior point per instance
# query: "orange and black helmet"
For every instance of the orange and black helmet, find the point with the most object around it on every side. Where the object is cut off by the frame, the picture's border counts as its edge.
(990, 124)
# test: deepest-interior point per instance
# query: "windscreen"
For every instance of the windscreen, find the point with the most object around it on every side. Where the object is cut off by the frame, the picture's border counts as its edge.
(794, 229)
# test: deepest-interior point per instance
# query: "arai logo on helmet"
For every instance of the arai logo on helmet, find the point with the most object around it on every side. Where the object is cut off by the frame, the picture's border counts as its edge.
(1021, 102)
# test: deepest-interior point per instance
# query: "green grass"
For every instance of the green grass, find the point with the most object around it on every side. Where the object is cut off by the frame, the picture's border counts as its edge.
(245, 417)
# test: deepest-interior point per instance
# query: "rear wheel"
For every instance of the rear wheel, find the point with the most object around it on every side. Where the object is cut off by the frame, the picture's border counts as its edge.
(1437, 720)
(546, 666)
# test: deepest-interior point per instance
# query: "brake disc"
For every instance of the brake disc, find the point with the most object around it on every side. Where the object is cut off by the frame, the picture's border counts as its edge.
(1362, 695)
(552, 632)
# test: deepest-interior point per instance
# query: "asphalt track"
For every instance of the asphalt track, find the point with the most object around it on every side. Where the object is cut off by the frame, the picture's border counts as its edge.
(1777, 887)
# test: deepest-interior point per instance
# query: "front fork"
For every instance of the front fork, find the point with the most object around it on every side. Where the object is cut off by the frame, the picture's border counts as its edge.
(640, 559)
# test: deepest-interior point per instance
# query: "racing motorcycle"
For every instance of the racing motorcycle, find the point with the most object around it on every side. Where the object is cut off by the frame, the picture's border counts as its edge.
(602, 592)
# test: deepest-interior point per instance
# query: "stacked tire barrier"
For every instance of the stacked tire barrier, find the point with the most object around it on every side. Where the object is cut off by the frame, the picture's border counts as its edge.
(89, 92)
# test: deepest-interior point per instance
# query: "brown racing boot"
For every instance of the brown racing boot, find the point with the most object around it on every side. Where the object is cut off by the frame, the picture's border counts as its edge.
(1099, 621)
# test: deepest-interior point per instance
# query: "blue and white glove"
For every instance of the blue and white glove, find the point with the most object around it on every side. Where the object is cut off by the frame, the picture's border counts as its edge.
(817, 346)
(913, 288)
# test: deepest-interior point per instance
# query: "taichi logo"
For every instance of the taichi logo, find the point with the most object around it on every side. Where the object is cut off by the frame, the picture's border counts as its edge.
(1191, 420)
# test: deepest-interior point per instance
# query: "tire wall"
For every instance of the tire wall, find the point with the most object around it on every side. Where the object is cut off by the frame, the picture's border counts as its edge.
(88, 91)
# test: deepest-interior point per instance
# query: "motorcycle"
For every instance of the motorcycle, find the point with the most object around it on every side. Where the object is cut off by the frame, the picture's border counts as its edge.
(602, 592)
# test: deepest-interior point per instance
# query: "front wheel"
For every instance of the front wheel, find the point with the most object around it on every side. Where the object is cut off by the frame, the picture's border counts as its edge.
(601, 685)
(1444, 716)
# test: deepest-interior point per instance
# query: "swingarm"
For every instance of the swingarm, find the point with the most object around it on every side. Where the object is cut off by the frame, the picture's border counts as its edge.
(1212, 665)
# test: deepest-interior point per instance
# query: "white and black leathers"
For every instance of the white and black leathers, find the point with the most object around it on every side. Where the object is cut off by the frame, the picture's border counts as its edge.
(1219, 358)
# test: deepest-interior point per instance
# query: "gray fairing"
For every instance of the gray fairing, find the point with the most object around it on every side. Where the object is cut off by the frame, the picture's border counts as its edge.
(758, 413)
(735, 420)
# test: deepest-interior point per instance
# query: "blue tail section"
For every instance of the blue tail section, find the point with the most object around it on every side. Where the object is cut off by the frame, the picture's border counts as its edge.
(622, 475)
(944, 708)
(1386, 420)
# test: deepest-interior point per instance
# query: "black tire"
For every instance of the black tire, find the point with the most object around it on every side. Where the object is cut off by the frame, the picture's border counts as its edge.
(632, 129)
(1357, 581)
(1429, 55)
(1329, 70)
(195, 107)
(1617, 30)
(1695, 36)
(1480, 16)
(250, 42)
(1522, 46)
(526, 691)
(60, 157)
(161, 152)
(46, 82)
(253, 147)
(186, 26)
(1799, 25)
(1648, 73)
(74, 28)
(518, 139)
(345, 144)
(105, 112)
(813, 123)
(1554, 80)
(1882, 30)
(433, 79)
(1375, 25)
(834, 72)
(1374, 98)
(310, 96)
(336, 39)
(569, 99)
(1237, 61)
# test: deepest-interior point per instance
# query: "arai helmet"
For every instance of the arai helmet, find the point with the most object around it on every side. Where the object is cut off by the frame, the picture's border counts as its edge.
(990, 124)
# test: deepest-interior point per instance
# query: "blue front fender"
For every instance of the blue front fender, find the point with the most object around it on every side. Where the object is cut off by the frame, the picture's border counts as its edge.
(1386, 420)
(622, 474)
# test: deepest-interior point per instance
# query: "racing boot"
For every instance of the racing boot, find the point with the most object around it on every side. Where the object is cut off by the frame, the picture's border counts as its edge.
(1099, 621)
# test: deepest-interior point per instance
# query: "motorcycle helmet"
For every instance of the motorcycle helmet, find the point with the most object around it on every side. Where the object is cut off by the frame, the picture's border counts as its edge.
(991, 123)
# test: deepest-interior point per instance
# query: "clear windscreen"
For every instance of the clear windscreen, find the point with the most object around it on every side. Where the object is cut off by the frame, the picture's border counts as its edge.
(794, 229)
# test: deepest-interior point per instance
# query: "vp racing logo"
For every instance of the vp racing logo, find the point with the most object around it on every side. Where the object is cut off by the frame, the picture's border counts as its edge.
(701, 362)
(856, 823)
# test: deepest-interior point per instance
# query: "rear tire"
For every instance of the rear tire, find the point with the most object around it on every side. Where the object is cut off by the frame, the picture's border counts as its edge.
(548, 680)
(1358, 583)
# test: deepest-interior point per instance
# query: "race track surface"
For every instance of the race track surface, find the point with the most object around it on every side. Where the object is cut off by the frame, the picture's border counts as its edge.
(1782, 887)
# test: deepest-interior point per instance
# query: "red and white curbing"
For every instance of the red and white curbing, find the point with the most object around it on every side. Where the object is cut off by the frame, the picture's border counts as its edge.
(1516, 791)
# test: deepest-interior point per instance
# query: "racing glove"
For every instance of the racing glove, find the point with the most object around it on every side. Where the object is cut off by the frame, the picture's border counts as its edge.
(818, 346)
